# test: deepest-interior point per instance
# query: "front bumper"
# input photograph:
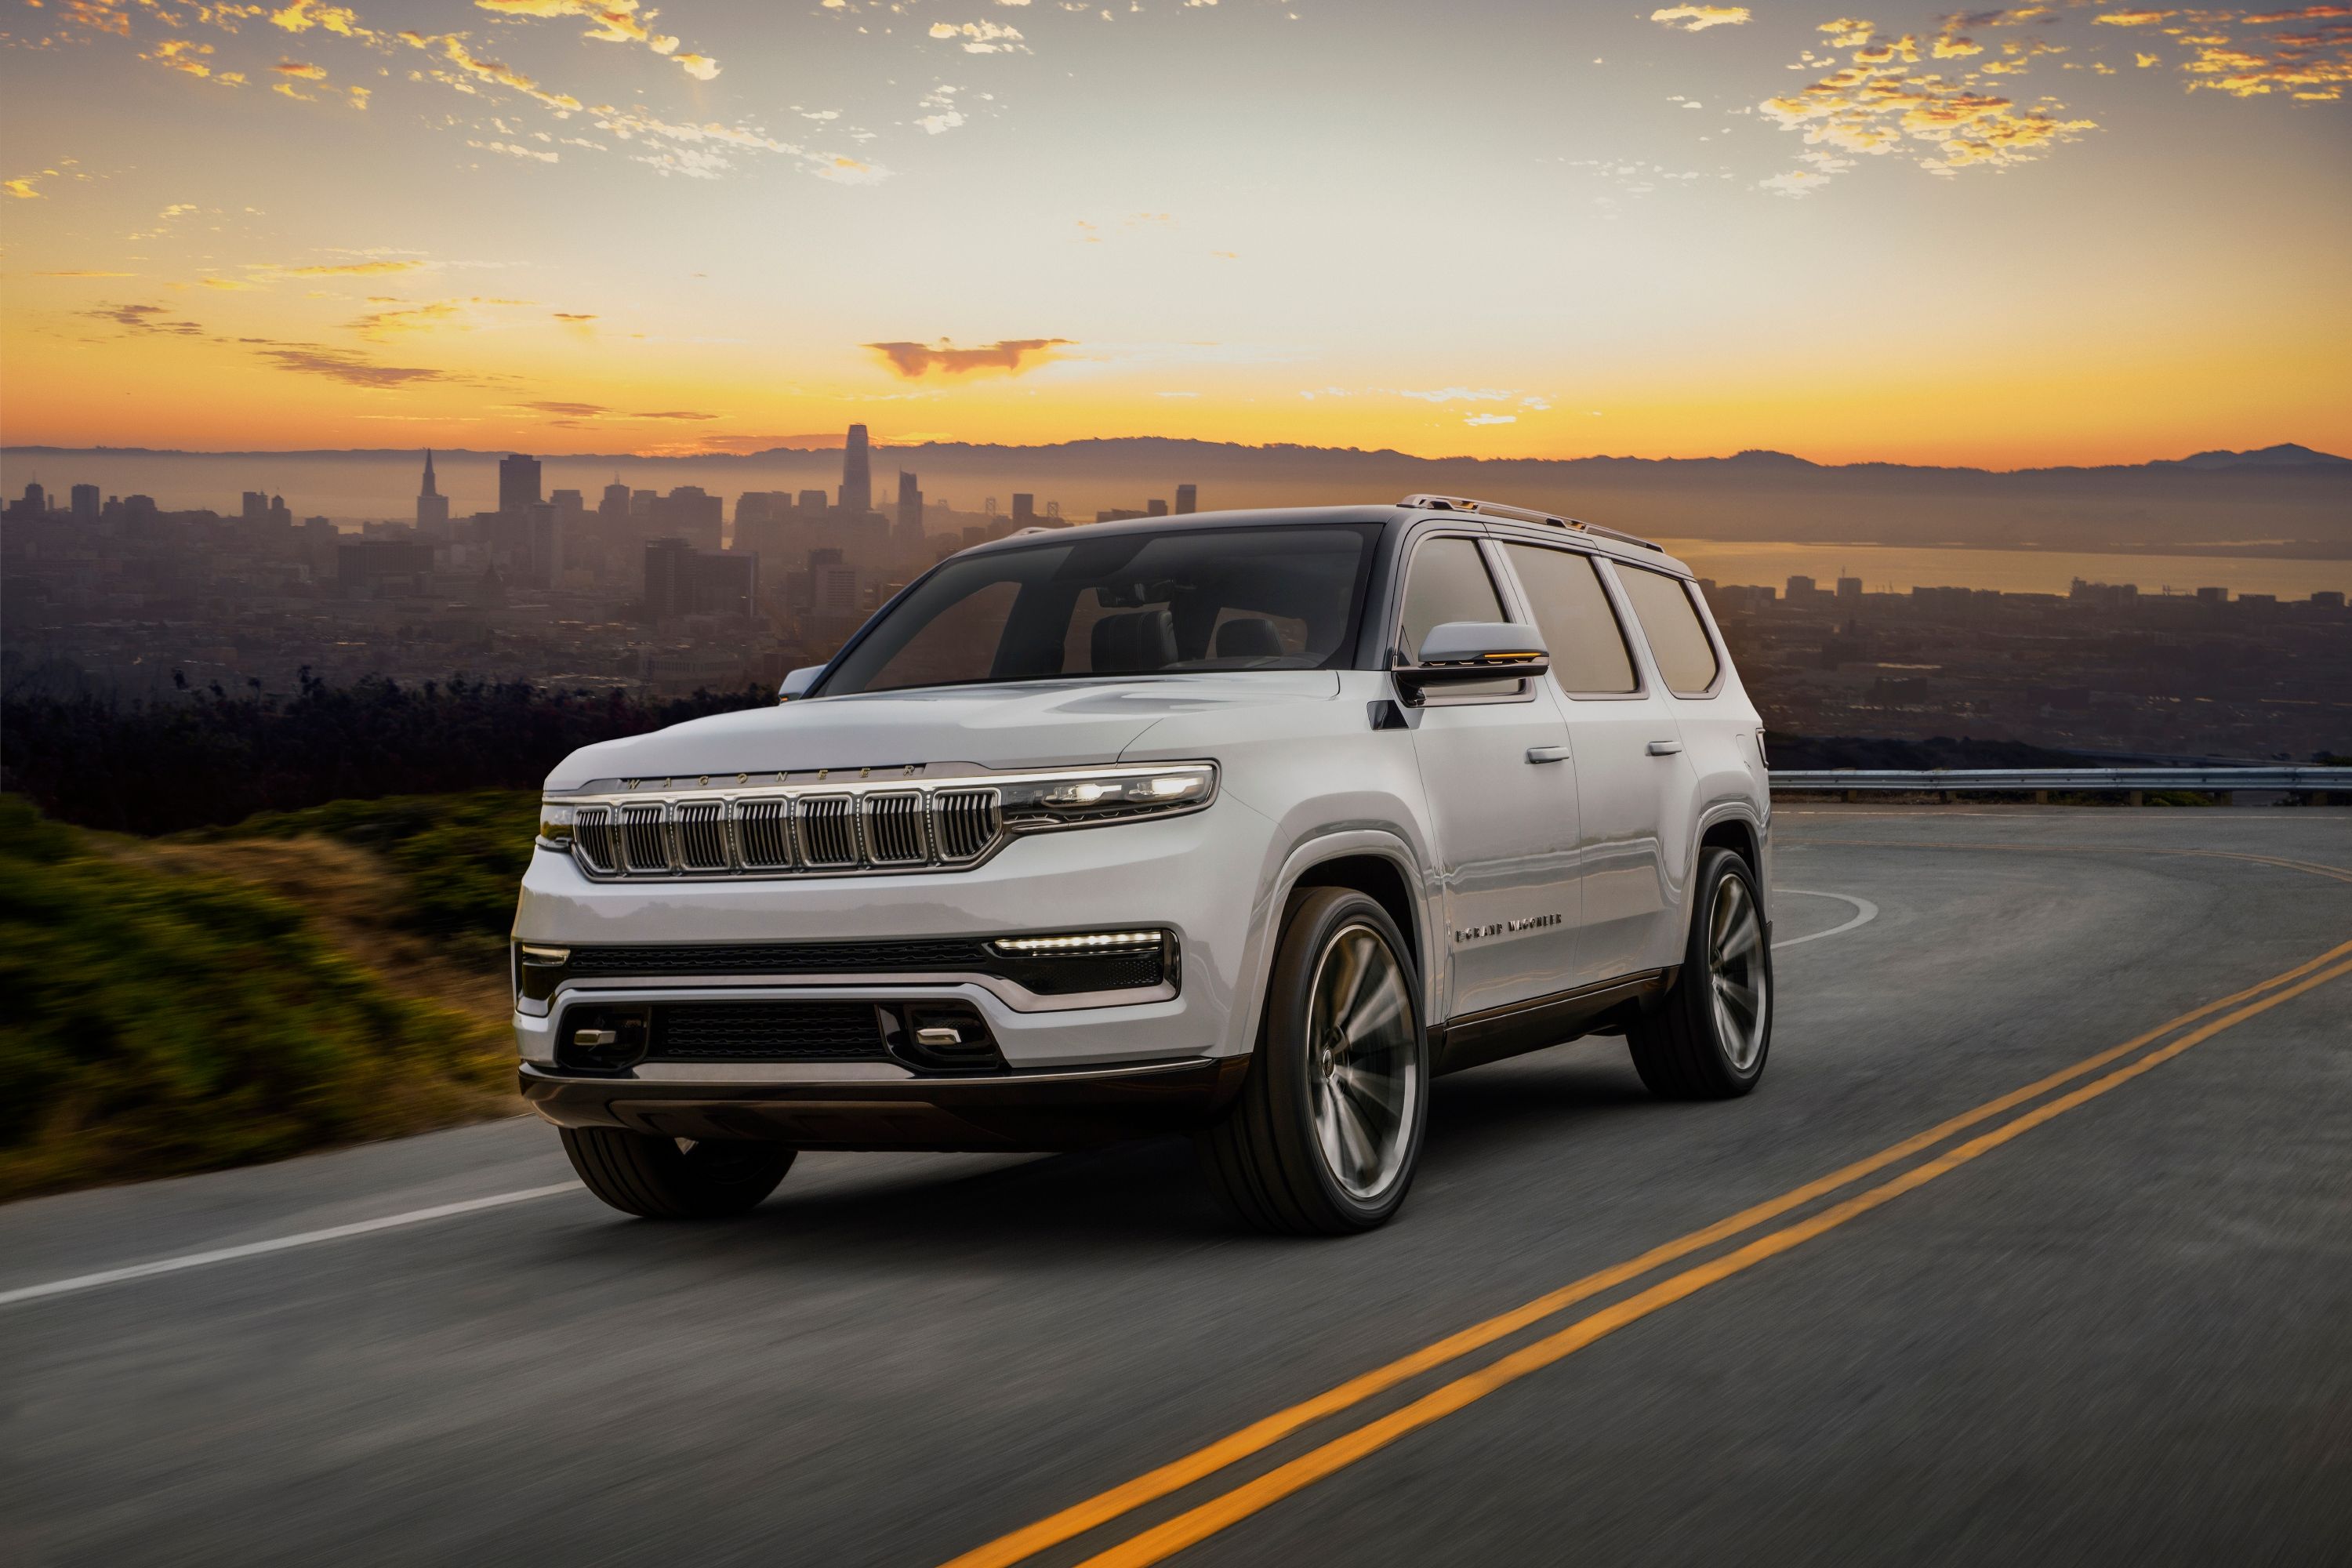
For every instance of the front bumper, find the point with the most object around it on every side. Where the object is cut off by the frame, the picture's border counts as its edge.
(1196, 876)
(874, 1105)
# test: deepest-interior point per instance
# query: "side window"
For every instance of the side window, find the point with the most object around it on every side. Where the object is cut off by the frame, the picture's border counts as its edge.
(1449, 582)
(1663, 605)
(1588, 648)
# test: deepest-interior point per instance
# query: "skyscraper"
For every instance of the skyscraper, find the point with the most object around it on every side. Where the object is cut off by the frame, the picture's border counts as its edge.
(517, 482)
(431, 506)
(254, 506)
(85, 503)
(1187, 499)
(857, 475)
(907, 538)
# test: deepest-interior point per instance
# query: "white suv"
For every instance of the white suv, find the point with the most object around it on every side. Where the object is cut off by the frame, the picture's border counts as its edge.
(1243, 823)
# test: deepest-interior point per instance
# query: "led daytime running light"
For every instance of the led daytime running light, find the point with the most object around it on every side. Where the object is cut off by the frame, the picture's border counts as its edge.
(1087, 943)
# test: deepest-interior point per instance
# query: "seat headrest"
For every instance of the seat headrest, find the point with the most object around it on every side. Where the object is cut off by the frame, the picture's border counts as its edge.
(1248, 636)
(1134, 642)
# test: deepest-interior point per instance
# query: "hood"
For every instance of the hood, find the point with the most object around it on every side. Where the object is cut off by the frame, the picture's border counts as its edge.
(1031, 724)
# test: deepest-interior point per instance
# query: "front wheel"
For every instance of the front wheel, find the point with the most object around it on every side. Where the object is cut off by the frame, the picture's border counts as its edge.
(675, 1178)
(1708, 1038)
(1325, 1132)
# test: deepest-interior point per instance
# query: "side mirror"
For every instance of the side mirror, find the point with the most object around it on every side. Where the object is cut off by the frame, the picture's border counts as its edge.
(797, 683)
(1461, 651)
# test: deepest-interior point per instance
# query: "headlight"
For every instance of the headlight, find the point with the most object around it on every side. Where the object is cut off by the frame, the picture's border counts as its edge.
(1120, 795)
(555, 824)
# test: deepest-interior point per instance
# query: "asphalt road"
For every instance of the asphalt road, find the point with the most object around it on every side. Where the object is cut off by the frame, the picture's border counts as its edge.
(2108, 1320)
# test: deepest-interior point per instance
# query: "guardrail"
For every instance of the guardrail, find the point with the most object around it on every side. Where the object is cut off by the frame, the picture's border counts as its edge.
(2075, 780)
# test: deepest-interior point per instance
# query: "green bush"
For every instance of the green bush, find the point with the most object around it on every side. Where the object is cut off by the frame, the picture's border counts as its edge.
(461, 856)
(161, 1022)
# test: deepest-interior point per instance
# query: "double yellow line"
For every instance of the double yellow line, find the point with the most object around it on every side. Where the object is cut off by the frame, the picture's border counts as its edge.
(1207, 1517)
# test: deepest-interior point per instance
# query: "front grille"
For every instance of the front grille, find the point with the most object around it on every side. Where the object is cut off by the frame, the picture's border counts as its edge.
(967, 822)
(768, 1032)
(701, 827)
(644, 838)
(877, 829)
(764, 834)
(829, 830)
(894, 829)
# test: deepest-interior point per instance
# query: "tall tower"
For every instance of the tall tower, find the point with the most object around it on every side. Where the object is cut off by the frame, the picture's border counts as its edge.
(517, 482)
(431, 506)
(857, 475)
(1187, 499)
(907, 538)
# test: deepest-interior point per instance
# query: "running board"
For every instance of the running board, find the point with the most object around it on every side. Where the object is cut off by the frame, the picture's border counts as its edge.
(1476, 1038)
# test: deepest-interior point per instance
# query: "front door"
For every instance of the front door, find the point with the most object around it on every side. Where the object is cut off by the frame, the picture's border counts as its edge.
(1493, 759)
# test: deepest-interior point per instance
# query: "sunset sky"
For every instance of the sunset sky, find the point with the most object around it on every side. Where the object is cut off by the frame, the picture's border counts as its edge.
(2065, 233)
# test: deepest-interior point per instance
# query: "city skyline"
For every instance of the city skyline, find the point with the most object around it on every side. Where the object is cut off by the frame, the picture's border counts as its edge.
(1912, 236)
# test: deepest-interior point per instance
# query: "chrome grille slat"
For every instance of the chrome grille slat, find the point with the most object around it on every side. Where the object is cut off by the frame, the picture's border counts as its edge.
(592, 835)
(965, 822)
(829, 830)
(763, 834)
(700, 829)
(894, 830)
(644, 839)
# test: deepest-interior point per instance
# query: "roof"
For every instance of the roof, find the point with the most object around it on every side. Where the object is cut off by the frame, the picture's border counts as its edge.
(1384, 512)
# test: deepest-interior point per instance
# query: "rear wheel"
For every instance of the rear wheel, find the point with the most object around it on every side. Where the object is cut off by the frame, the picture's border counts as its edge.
(1325, 1135)
(675, 1178)
(1708, 1038)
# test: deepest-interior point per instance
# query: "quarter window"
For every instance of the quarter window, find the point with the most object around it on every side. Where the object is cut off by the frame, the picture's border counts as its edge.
(1588, 648)
(1678, 640)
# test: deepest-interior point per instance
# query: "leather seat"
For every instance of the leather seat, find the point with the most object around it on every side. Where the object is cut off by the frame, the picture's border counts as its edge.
(1133, 643)
(1248, 636)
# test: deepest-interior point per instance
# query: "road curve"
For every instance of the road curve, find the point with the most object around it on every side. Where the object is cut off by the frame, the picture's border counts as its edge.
(2036, 1244)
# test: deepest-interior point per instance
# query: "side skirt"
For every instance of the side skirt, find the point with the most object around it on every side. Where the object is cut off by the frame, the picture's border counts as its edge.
(1476, 1038)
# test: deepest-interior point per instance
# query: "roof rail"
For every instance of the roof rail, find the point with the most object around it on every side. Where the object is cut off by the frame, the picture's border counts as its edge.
(1524, 514)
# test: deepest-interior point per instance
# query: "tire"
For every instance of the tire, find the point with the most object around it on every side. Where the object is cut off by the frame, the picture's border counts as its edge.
(1325, 1132)
(670, 1178)
(1709, 1035)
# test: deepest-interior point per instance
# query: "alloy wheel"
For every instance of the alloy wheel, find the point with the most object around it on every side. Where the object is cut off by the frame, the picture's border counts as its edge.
(1363, 1069)
(1736, 972)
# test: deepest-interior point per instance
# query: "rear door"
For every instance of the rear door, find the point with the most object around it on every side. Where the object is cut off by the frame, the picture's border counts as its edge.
(1502, 797)
(1631, 777)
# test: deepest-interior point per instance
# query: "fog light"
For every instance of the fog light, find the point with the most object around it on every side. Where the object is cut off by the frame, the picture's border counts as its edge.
(603, 1039)
(1088, 942)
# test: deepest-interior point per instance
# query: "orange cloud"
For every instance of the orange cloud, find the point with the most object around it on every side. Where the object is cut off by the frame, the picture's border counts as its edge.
(351, 269)
(343, 365)
(612, 22)
(1699, 18)
(1012, 356)
(302, 69)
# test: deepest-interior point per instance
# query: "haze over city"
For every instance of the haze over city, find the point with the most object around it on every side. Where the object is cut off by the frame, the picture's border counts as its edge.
(2043, 235)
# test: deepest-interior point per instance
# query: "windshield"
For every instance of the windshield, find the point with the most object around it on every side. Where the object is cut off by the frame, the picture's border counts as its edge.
(1123, 605)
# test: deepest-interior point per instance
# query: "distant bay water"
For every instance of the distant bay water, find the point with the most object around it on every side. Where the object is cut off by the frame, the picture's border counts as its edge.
(1895, 568)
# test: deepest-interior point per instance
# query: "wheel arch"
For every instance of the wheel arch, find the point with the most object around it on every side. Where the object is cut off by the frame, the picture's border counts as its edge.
(1377, 863)
(1732, 826)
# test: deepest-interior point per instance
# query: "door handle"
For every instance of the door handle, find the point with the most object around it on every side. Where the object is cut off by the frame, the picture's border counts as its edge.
(1665, 748)
(1546, 754)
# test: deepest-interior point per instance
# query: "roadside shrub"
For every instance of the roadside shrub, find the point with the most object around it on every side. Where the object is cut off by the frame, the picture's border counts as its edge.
(161, 1022)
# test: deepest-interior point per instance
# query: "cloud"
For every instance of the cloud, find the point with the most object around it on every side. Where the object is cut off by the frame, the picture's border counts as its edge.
(452, 47)
(1490, 419)
(982, 38)
(301, 69)
(350, 269)
(1461, 395)
(344, 365)
(570, 410)
(1876, 104)
(145, 319)
(611, 22)
(1012, 356)
(1699, 18)
(21, 187)
(674, 414)
(514, 152)
(2312, 64)
(79, 273)
(2133, 18)
(304, 14)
